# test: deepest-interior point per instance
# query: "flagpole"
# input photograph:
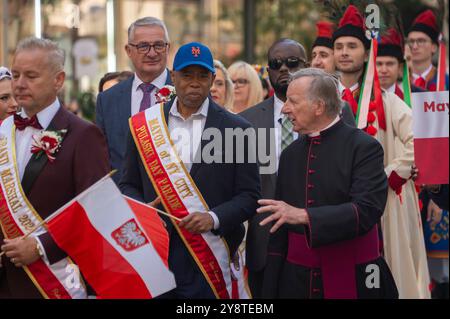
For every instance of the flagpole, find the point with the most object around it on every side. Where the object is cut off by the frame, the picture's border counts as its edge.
(81, 194)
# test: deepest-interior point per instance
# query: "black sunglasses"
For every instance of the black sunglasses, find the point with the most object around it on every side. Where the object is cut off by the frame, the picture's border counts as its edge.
(291, 63)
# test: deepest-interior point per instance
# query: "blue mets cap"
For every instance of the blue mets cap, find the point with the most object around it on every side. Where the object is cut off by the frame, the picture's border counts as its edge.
(194, 53)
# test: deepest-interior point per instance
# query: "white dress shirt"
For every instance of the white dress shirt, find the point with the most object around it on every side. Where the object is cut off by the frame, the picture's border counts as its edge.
(391, 89)
(186, 135)
(342, 87)
(424, 74)
(24, 139)
(137, 94)
(277, 120)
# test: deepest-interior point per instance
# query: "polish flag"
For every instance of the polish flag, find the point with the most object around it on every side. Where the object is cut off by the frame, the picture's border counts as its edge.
(120, 245)
(430, 127)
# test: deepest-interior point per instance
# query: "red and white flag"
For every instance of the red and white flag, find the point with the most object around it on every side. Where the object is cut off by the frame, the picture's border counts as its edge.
(120, 245)
(430, 127)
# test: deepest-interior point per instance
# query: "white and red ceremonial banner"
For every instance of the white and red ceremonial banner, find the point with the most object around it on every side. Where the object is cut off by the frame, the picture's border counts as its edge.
(19, 218)
(430, 127)
(120, 245)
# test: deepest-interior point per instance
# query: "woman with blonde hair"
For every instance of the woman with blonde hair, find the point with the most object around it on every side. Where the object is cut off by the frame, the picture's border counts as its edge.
(222, 91)
(248, 90)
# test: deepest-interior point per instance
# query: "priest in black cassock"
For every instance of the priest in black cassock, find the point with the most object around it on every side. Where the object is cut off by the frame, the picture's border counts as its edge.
(331, 194)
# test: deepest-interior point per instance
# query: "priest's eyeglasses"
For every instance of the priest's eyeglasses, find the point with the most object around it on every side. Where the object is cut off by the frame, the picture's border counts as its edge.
(291, 63)
(145, 47)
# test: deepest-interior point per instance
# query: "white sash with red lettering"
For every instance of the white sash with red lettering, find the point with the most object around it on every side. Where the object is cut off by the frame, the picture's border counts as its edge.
(180, 196)
(18, 217)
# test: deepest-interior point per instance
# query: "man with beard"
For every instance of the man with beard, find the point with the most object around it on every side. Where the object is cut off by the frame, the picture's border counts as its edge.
(285, 57)
(391, 124)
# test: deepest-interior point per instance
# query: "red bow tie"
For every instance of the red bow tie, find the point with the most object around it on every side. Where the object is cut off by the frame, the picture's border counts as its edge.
(22, 123)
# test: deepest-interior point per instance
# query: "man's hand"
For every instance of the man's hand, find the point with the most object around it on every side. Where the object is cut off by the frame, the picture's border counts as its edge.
(155, 203)
(282, 213)
(197, 223)
(434, 214)
(22, 252)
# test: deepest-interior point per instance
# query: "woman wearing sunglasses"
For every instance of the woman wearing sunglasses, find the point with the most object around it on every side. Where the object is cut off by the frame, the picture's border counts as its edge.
(248, 90)
(8, 105)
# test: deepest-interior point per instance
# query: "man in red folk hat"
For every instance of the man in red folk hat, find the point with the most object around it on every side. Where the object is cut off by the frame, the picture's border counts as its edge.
(322, 48)
(390, 62)
(391, 124)
(323, 58)
(423, 41)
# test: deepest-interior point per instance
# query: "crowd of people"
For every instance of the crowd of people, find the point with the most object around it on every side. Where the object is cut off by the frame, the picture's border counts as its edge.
(327, 210)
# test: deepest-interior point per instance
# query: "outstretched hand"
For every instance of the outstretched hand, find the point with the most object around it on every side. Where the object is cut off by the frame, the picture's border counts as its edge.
(282, 213)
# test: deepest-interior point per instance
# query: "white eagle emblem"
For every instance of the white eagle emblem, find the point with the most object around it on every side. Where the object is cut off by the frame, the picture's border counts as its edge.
(129, 236)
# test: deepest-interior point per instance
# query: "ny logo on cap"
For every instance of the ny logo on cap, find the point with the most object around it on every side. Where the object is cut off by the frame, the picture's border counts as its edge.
(196, 51)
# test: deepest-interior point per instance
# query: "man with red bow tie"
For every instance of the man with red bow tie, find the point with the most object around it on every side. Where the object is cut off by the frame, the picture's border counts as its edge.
(47, 157)
(391, 124)
(423, 41)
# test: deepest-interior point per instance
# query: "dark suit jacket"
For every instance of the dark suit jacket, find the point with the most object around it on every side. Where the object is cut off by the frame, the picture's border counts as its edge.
(112, 113)
(81, 161)
(230, 190)
(262, 116)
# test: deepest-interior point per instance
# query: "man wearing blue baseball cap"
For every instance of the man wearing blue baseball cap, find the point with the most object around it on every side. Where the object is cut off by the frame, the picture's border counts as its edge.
(222, 185)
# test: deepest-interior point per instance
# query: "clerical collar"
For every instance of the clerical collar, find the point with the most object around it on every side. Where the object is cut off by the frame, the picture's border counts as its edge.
(353, 88)
(424, 74)
(315, 134)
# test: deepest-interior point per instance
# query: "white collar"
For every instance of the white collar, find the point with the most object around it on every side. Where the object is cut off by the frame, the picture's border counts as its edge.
(342, 87)
(277, 107)
(202, 111)
(391, 89)
(159, 82)
(326, 128)
(46, 115)
(424, 74)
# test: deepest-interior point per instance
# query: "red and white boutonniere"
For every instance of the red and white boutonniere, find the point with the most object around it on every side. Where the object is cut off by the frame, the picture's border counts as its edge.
(166, 94)
(48, 143)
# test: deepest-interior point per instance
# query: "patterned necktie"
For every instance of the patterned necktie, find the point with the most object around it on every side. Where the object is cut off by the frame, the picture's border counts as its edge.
(146, 88)
(287, 136)
(420, 82)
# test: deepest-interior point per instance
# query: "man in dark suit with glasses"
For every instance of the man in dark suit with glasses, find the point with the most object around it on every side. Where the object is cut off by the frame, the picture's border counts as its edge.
(148, 49)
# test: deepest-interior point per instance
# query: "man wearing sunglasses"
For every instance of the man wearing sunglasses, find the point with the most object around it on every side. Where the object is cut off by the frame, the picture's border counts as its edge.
(148, 49)
(285, 57)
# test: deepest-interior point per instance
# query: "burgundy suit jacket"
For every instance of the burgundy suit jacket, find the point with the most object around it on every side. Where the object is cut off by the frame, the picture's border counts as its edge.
(81, 161)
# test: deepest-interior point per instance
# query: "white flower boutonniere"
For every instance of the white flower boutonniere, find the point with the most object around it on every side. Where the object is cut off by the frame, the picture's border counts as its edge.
(48, 143)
